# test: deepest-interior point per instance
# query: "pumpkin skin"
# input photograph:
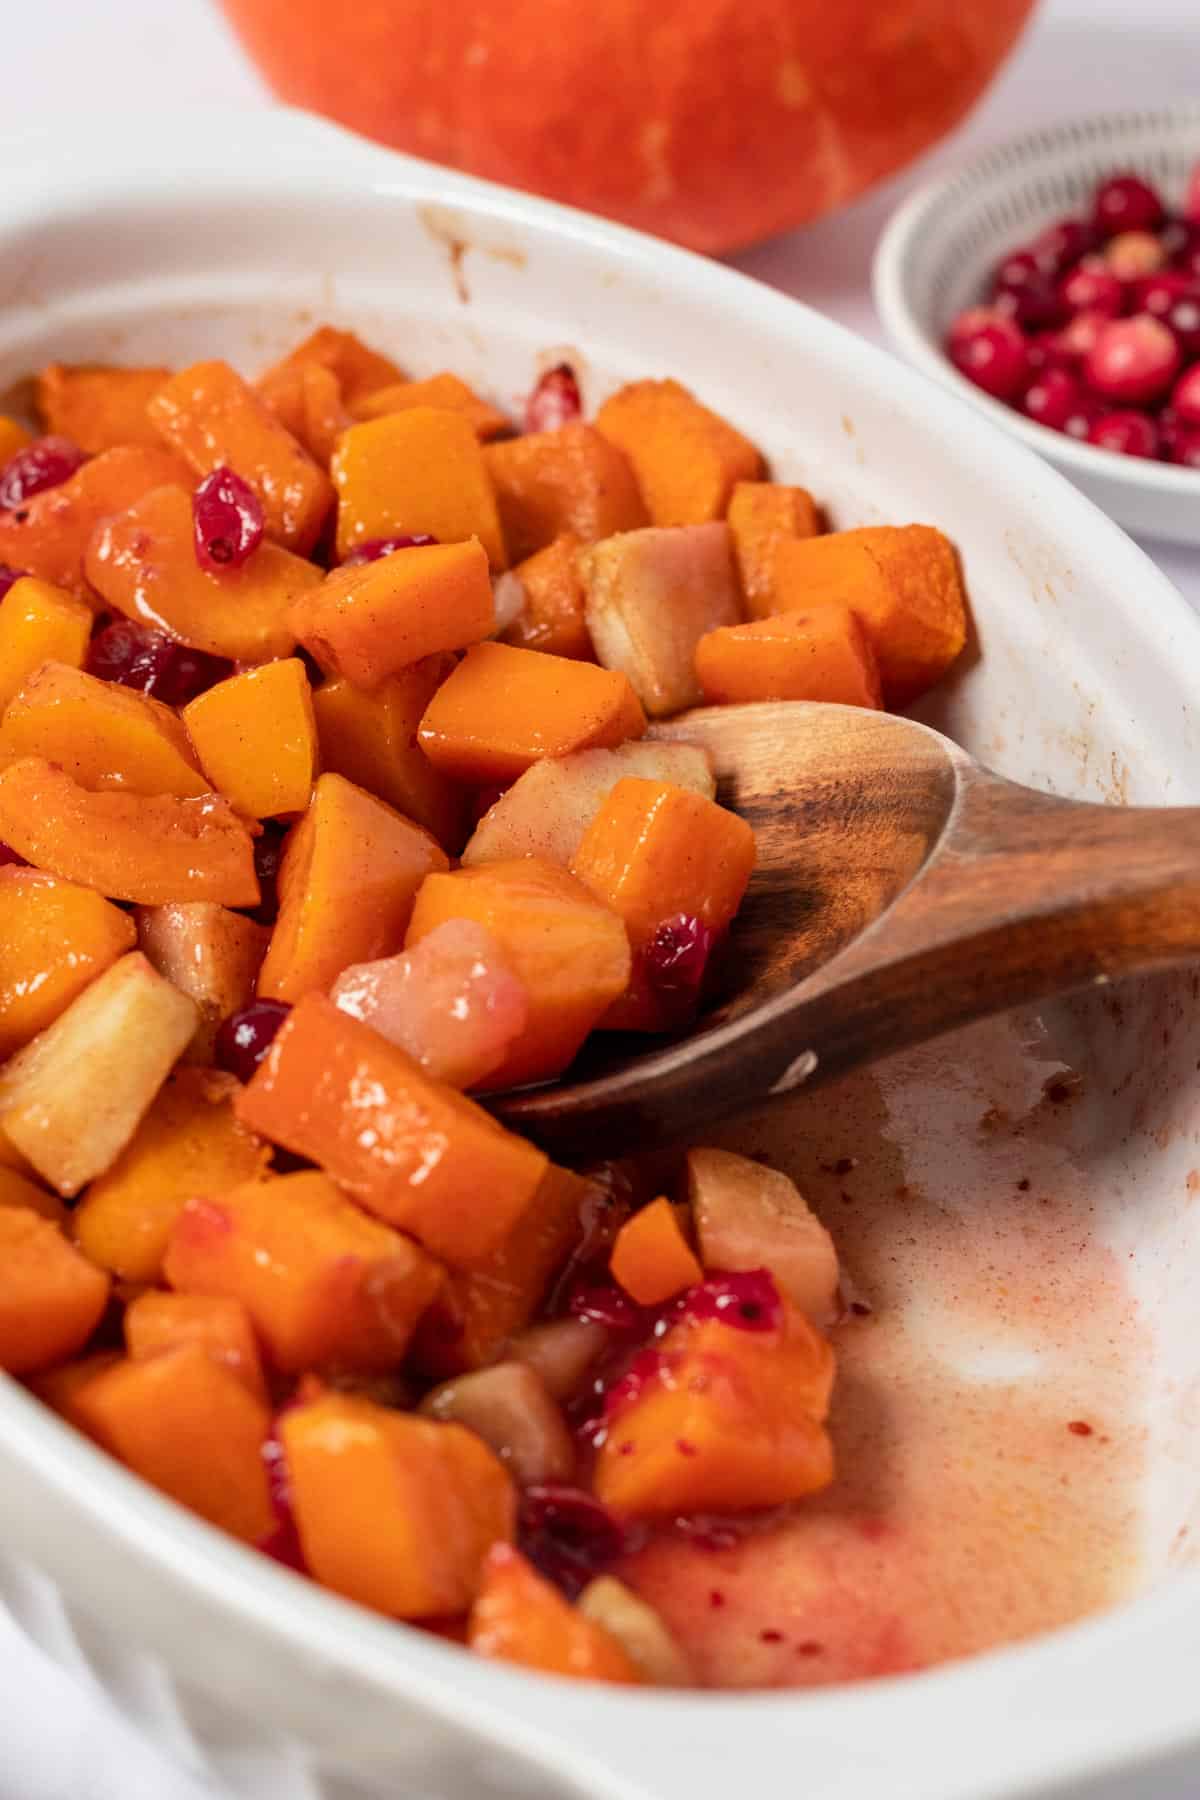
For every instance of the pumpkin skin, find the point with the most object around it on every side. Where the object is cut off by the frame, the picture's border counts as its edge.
(713, 122)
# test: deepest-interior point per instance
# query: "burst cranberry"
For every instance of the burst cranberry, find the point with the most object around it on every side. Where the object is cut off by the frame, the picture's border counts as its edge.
(1185, 396)
(227, 520)
(1183, 318)
(646, 1368)
(7, 577)
(9, 856)
(149, 661)
(676, 958)
(1134, 253)
(568, 1534)
(1126, 203)
(1156, 294)
(990, 351)
(45, 463)
(1132, 359)
(283, 1543)
(749, 1300)
(1063, 243)
(554, 401)
(1091, 287)
(1051, 399)
(268, 854)
(245, 1037)
(374, 548)
(1128, 433)
(606, 1305)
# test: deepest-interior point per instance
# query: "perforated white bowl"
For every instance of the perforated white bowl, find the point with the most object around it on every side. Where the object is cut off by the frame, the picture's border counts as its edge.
(937, 250)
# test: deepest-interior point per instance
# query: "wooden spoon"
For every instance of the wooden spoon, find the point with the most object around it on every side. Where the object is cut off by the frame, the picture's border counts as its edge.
(901, 890)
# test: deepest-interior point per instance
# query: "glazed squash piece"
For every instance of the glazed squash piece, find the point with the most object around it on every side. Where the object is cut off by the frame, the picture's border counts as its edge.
(63, 1387)
(39, 624)
(307, 400)
(652, 1259)
(821, 655)
(519, 1617)
(51, 1299)
(323, 1284)
(101, 735)
(55, 938)
(393, 1511)
(210, 953)
(416, 471)
(686, 458)
(256, 739)
(551, 616)
(571, 480)
(748, 1216)
(358, 369)
(97, 405)
(446, 391)
(761, 515)
(17, 1190)
(370, 737)
(155, 1323)
(412, 1151)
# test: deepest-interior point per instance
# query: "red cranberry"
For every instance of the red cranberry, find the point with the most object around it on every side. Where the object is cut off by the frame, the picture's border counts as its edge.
(554, 401)
(374, 548)
(1091, 287)
(1183, 318)
(1185, 396)
(1051, 399)
(749, 1300)
(1022, 290)
(1191, 200)
(134, 656)
(1063, 243)
(283, 1543)
(645, 1369)
(8, 856)
(1126, 203)
(1044, 351)
(1132, 359)
(676, 958)
(1087, 409)
(1128, 433)
(989, 351)
(7, 577)
(45, 463)
(1079, 334)
(1156, 294)
(568, 1534)
(606, 1305)
(244, 1038)
(268, 854)
(1180, 440)
(227, 520)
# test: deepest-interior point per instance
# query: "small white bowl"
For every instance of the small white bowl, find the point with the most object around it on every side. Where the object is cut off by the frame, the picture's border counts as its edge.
(937, 250)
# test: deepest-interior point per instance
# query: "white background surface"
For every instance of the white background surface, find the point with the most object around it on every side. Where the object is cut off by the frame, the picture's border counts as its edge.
(58, 1740)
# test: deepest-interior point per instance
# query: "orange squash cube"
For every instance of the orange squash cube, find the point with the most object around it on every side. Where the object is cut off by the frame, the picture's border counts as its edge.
(367, 622)
(415, 471)
(903, 581)
(98, 406)
(520, 1617)
(256, 739)
(17, 1190)
(394, 1511)
(156, 1322)
(350, 873)
(370, 737)
(307, 400)
(189, 1427)
(686, 458)
(503, 709)
(762, 514)
(54, 939)
(651, 1258)
(188, 1143)
(149, 848)
(211, 954)
(553, 616)
(49, 536)
(570, 953)
(820, 655)
(411, 1150)
(480, 1309)
(100, 734)
(39, 624)
(13, 437)
(725, 1420)
(358, 369)
(446, 391)
(51, 1299)
(62, 1388)
(142, 562)
(324, 1285)
(573, 480)
(213, 418)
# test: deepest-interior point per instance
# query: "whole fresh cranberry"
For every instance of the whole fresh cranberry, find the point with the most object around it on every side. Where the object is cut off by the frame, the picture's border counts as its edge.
(1087, 409)
(1134, 253)
(1126, 203)
(1132, 359)
(1156, 294)
(1023, 290)
(1043, 351)
(1051, 398)
(1180, 440)
(1178, 238)
(46, 463)
(1185, 396)
(1078, 336)
(1091, 286)
(227, 520)
(990, 351)
(1129, 433)
(1063, 243)
(1183, 318)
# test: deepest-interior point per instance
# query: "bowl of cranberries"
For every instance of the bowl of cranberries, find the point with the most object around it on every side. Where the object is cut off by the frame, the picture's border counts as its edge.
(1056, 280)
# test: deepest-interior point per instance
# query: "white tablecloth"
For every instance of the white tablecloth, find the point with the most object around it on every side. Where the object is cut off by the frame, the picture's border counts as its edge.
(59, 1741)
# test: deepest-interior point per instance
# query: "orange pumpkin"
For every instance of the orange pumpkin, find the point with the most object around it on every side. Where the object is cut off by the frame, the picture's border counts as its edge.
(715, 122)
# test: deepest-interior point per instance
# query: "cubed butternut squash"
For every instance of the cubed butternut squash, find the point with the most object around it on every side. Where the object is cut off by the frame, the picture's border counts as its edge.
(214, 419)
(142, 562)
(685, 457)
(569, 952)
(520, 1617)
(51, 1298)
(306, 398)
(39, 624)
(55, 938)
(324, 1285)
(17, 1190)
(821, 655)
(97, 405)
(256, 739)
(208, 952)
(350, 872)
(552, 617)
(370, 737)
(416, 471)
(368, 621)
(411, 1150)
(62, 1388)
(49, 536)
(148, 848)
(503, 709)
(446, 391)
(651, 1258)
(188, 1143)
(100, 734)
(903, 581)
(155, 1323)
(359, 369)
(572, 480)
(394, 1511)
(761, 515)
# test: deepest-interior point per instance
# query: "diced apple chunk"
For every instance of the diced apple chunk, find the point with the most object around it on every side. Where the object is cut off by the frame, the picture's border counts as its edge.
(561, 1352)
(209, 953)
(638, 1629)
(548, 809)
(453, 1001)
(748, 1216)
(509, 1407)
(651, 596)
(73, 1097)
